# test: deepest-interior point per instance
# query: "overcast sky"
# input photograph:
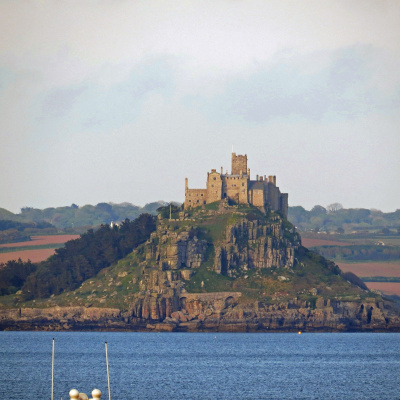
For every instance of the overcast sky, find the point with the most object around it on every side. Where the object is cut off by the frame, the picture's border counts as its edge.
(121, 100)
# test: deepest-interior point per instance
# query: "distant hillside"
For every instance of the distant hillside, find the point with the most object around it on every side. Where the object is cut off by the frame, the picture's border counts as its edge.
(72, 217)
(335, 218)
(5, 214)
(14, 231)
(332, 219)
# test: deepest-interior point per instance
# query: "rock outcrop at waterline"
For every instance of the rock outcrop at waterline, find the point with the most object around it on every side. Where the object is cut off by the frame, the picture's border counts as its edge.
(213, 312)
(218, 269)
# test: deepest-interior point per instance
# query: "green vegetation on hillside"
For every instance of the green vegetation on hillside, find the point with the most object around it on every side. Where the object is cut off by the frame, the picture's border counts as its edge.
(360, 253)
(13, 275)
(100, 268)
(81, 259)
(14, 231)
(73, 217)
(380, 279)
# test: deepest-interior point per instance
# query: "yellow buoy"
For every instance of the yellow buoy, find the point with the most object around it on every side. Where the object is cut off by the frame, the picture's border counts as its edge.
(299, 332)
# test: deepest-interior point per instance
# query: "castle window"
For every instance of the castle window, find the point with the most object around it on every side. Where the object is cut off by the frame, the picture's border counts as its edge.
(202, 194)
(215, 179)
(242, 184)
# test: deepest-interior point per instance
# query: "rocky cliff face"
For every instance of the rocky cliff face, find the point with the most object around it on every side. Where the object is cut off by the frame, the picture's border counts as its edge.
(178, 248)
(255, 245)
(214, 312)
(227, 269)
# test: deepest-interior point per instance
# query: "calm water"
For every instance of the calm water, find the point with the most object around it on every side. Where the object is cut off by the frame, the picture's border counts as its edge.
(202, 366)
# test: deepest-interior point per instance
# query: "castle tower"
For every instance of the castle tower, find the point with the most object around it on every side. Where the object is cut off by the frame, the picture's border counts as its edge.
(239, 163)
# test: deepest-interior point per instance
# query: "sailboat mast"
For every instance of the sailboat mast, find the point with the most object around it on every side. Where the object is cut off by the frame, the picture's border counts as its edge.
(52, 373)
(108, 375)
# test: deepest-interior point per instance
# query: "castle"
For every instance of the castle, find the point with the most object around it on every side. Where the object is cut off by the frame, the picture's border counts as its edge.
(239, 189)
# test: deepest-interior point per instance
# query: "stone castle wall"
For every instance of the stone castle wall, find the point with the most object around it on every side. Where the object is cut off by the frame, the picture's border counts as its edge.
(237, 186)
(239, 164)
(195, 197)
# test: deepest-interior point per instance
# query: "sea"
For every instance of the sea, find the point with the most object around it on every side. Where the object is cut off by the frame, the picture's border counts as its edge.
(201, 365)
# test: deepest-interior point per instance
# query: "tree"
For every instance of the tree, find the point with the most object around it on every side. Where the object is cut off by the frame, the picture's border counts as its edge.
(332, 208)
(318, 210)
(82, 258)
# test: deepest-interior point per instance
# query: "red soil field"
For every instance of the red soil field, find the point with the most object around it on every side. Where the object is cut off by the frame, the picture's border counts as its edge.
(40, 240)
(35, 255)
(25, 255)
(307, 242)
(372, 268)
(388, 288)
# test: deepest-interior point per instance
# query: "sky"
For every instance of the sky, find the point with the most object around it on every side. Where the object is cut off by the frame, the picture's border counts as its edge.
(119, 101)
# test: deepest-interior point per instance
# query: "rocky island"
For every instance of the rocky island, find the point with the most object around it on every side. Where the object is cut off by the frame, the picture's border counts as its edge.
(228, 260)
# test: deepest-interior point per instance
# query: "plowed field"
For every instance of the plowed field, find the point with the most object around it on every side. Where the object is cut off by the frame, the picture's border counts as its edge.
(388, 288)
(40, 240)
(35, 255)
(372, 268)
(25, 255)
(308, 242)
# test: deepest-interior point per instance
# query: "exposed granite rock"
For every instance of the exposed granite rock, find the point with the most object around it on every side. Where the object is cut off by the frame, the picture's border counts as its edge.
(175, 250)
(208, 312)
(255, 244)
(61, 318)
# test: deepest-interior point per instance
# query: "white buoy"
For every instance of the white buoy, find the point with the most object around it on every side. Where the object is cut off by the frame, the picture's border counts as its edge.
(73, 394)
(96, 394)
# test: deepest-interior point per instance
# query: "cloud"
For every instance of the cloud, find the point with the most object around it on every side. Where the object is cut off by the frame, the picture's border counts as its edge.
(92, 105)
(101, 97)
(340, 88)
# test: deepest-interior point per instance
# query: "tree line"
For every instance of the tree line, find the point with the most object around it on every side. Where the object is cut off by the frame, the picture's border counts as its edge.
(335, 218)
(74, 216)
(360, 252)
(14, 231)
